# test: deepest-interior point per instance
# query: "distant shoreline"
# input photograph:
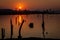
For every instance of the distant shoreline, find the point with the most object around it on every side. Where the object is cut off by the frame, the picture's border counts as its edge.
(26, 12)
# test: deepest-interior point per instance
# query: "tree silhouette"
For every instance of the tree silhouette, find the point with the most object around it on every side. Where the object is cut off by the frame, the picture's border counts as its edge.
(20, 37)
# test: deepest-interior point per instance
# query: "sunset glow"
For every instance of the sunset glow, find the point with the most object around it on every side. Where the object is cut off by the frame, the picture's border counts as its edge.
(20, 7)
(29, 19)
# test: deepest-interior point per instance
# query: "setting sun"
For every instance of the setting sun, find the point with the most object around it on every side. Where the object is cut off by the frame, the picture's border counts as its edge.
(20, 7)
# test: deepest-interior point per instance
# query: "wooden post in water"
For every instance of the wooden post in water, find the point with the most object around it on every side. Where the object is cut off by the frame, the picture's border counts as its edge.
(3, 33)
(43, 26)
(11, 28)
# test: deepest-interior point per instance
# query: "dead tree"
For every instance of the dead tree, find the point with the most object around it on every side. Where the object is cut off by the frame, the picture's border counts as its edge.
(20, 37)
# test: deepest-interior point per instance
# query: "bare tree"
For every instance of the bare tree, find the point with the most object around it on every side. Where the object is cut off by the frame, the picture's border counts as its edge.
(19, 37)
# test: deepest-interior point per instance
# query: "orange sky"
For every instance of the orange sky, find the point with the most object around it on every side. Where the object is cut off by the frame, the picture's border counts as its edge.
(31, 4)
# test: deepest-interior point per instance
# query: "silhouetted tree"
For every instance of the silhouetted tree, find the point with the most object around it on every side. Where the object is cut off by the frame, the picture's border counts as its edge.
(3, 33)
(11, 28)
(20, 37)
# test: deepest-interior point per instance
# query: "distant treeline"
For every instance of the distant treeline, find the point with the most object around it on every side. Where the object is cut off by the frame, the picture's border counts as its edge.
(10, 11)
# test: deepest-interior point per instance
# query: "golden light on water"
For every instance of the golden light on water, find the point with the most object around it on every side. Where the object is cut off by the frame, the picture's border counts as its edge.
(19, 19)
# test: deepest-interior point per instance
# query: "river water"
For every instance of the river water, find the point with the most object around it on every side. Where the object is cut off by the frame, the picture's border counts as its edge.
(52, 25)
